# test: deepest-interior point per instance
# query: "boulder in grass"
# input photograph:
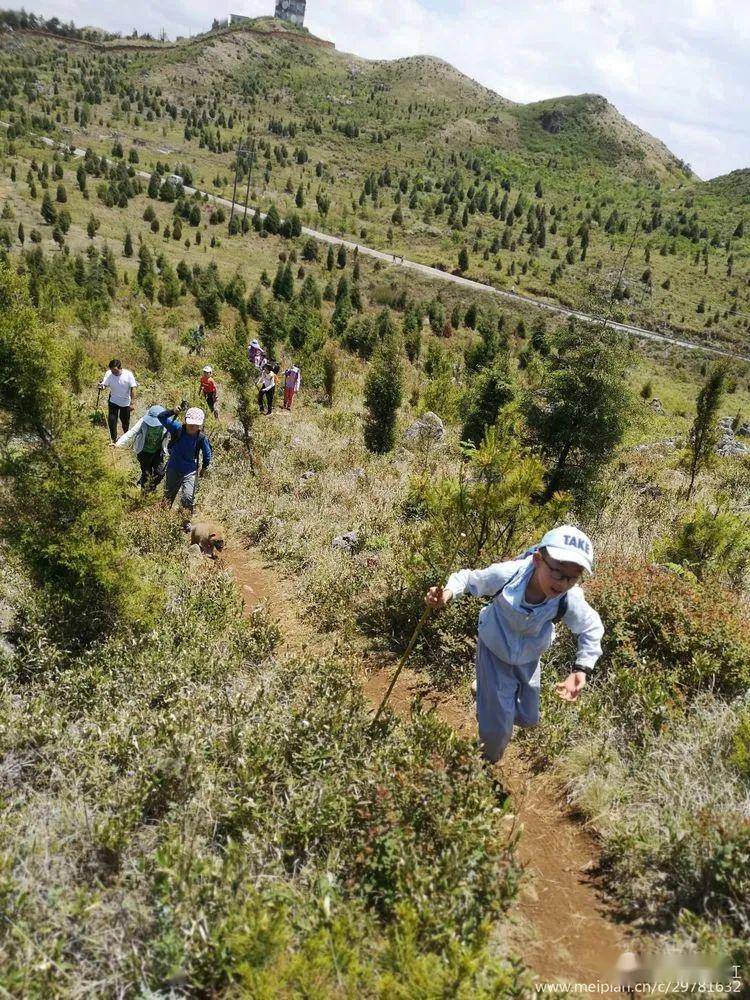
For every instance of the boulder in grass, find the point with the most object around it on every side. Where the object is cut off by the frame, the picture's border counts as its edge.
(729, 446)
(428, 428)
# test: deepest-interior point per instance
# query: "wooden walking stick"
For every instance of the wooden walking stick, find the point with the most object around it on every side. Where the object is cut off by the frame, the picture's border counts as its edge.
(414, 636)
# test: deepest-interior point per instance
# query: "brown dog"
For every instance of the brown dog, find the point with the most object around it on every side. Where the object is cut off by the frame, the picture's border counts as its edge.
(209, 536)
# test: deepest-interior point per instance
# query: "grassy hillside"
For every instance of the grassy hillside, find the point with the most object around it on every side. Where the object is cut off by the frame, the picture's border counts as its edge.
(413, 156)
(194, 800)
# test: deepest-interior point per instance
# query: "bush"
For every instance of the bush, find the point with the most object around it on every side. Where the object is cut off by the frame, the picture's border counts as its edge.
(67, 517)
(667, 638)
(709, 543)
(146, 337)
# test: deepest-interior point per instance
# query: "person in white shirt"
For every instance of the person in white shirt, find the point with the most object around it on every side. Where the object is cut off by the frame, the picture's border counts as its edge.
(266, 386)
(122, 385)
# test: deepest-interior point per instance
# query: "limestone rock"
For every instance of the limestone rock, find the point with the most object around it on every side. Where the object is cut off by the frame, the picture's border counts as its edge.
(729, 446)
(429, 427)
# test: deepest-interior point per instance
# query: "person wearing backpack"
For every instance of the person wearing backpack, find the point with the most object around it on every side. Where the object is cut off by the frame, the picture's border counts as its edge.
(188, 443)
(256, 354)
(529, 595)
(150, 440)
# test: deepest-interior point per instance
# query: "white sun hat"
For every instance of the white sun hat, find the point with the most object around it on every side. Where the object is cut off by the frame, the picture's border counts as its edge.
(208, 370)
(195, 415)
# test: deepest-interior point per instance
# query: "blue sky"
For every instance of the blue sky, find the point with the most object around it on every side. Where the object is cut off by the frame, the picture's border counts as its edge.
(677, 68)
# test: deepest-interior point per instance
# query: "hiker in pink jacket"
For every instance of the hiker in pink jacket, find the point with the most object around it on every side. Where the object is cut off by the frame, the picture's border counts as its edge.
(292, 382)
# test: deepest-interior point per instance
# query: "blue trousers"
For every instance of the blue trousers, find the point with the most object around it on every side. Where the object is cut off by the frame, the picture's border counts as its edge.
(506, 695)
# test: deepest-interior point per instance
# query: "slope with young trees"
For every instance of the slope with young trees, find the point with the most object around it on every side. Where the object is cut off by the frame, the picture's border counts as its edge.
(412, 153)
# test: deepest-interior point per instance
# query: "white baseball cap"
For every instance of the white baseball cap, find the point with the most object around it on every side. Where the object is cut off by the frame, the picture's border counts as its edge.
(207, 370)
(195, 415)
(569, 544)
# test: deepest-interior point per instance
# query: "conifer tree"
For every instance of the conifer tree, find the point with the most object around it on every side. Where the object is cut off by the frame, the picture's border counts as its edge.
(48, 210)
(581, 412)
(62, 504)
(383, 395)
(491, 391)
(704, 432)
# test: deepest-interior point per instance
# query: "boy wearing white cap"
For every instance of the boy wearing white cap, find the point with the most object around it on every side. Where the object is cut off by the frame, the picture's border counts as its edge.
(188, 444)
(529, 596)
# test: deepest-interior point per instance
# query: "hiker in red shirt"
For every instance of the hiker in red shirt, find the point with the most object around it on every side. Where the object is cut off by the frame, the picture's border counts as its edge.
(210, 390)
(292, 381)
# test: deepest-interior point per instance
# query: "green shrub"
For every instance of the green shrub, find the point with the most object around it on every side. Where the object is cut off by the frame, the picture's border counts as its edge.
(146, 337)
(667, 639)
(709, 543)
(67, 518)
(383, 394)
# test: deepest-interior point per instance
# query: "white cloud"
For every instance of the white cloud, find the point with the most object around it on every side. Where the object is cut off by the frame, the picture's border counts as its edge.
(677, 68)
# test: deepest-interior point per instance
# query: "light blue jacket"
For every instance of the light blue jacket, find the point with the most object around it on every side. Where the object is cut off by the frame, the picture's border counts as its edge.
(516, 635)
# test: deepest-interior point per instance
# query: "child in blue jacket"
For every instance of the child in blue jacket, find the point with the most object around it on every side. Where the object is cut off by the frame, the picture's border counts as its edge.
(529, 595)
(188, 444)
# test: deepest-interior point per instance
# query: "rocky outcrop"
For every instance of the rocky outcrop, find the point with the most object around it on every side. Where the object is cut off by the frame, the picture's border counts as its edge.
(729, 446)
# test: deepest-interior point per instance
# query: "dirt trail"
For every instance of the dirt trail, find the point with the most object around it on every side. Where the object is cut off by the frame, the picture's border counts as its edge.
(560, 925)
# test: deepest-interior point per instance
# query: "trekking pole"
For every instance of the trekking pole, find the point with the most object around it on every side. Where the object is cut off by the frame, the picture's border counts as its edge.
(414, 636)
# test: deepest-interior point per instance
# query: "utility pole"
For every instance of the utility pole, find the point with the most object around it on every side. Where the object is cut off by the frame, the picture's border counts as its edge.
(249, 152)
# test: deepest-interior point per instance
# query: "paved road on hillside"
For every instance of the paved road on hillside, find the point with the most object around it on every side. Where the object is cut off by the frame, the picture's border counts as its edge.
(435, 274)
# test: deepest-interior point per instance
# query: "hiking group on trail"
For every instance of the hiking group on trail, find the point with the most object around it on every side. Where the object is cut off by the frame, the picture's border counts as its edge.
(530, 595)
(167, 449)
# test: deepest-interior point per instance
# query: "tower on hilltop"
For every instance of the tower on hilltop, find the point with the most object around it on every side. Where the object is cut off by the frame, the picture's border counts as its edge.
(291, 10)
